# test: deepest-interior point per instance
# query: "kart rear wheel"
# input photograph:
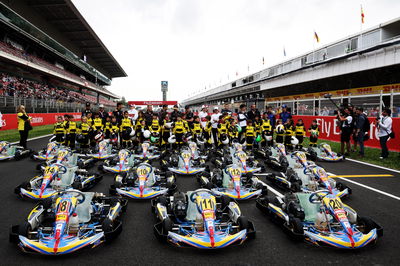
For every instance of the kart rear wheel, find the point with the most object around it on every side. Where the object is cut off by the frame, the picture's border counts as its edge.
(340, 186)
(243, 223)
(167, 226)
(24, 229)
(296, 226)
(365, 224)
(25, 185)
(77, 185)
(225, 200)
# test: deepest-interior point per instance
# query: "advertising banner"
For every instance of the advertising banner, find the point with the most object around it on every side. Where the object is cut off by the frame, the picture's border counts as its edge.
(330, 131)
(10, 121)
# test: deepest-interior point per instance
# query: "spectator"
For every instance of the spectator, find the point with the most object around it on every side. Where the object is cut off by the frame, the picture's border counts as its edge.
(385, 129)
(214, 123)
(175, 113)
(118, 114)
(242, 119)
(226, 109)
(285, 114)
(346, 122)
(271, 116)
(202, 115)
(163, 113)
(24, 125)
(103, 114)
(133, 113)
(148, 115)
(189, 116)
(359, 127)
(251, 115)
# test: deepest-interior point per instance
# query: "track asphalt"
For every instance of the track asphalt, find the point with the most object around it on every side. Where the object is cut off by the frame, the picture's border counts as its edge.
(137, 244)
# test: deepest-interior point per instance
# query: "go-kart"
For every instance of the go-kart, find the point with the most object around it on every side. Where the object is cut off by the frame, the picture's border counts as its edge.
(146, 152)
(9, 151)
(143, 182)
(200, 219)
(304, 175)
(247, 163)
(233, 183)
(48, 153)
(67, 158)
(183, 163)
(104, 150)
(57, 178)
(276, 157)
(196, 153)
(121, 164)
(321, 219)
(70, 221)
(323, 152)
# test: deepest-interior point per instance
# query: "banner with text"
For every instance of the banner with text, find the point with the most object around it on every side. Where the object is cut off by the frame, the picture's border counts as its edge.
(10, 121)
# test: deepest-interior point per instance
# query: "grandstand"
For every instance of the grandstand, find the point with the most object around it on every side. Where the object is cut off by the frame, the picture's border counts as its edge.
(51, 60)
(361, 69)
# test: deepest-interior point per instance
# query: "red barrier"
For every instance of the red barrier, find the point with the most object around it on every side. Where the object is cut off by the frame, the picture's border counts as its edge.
(329, 130)
(10, 121)
(152, 102)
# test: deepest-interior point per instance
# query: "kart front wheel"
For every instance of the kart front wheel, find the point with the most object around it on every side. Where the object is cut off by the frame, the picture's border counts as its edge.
(167, 225)
(365, 224)
(296, 226)
(243, 223)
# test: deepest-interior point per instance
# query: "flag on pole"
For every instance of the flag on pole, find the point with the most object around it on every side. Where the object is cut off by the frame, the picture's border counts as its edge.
(263, 61)
(284, 51)
(362, 15)
(237, 74)
(316, 36)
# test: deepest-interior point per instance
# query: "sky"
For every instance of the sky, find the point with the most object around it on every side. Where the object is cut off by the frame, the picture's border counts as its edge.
(201, 44)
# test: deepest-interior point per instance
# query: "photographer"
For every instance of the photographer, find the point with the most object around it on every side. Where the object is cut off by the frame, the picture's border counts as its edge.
(346, 130)
(384, 124)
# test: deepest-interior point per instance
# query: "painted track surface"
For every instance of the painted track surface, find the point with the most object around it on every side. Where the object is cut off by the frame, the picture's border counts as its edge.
(138, 245)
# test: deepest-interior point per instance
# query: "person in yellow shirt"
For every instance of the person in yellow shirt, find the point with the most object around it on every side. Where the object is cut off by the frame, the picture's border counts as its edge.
(59, 130)
(24, 125)
(266, 131)
(125, 129)
(314, 133)
(84, 130)
(71, 129)
(280, 131)
(250, 134)
(233, 132)
(300, 132)
(97, 125)
(289, 132)
(107, 128)
(196, 128)
(179, 129)
(207, 132)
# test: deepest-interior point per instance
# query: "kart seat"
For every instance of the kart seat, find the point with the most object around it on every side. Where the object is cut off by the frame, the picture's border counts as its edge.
(192, 210)
(84, 210)
(68, 177)
(310, 209)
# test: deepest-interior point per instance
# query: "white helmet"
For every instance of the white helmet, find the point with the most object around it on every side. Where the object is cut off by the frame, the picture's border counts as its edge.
(172, 139)
(168, 125)
(225, 141)
(132, 132)
(268, 138)
(99, 137)
(294, 140)
(280, 129)
(146, 134)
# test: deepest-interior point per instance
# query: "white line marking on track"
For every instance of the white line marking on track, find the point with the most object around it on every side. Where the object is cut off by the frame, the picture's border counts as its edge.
(373, 165)
(40, 137)
(368, 187)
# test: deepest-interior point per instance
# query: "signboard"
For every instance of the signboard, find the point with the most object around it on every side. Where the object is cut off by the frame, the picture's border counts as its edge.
(152, 102)
(164, 85)
(10, 121)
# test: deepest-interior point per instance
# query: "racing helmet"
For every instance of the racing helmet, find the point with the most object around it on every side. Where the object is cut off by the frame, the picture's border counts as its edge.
(239, 128)
(294, 140)
(280, 129)
(268, 138)
(200, 140)
(172, 139)
(224, 139)
(99, 137)
(146, 134)
(154, 139)
(168, 125)
(80, 138)
(258, 138)
(132, 132)
(188, 136)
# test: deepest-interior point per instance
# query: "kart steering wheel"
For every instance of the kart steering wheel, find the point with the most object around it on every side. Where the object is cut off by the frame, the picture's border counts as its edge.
(315, 198)
(307, 170)
(78, 195)
(61, 168)
(195, 193)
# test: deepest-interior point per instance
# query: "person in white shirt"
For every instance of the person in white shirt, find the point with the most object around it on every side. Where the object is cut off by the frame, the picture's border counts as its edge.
(214, 124)
(242, 119)
(384, 131)
(133, 114)
(202, 115)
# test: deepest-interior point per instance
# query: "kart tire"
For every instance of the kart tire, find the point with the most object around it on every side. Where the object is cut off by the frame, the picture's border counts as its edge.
(117, 184)
(101, 168)
(17, 156)
(162, 200)
(24, 229)
(249, 176)
(243, 223)
(167, 226)
(225, 200)
(107, 225)
(365, 224)
(340, 186)
(296, 187)
(209, 185)
(296, 226)
(77, 185)
(25, 185)
(47, 203)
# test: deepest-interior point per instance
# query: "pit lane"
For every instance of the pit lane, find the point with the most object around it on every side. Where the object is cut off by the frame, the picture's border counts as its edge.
(137, 244)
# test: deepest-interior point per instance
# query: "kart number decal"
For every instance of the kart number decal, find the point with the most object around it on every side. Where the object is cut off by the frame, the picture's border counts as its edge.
(234, 171)
(63, 206)
(207, 204)
(142, 171)
(335, 204)
(186, 155)
(49, 170)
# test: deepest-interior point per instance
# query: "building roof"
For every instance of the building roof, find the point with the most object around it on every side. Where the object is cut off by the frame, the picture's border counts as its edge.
(69, 21)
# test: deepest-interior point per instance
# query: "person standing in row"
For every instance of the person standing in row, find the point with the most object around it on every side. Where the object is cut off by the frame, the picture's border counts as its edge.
(103, 114)
(385, 131)
(202, 115)
(251, 115)
(242, 119)
(24, 125)
(214, 122)
(118, 114)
